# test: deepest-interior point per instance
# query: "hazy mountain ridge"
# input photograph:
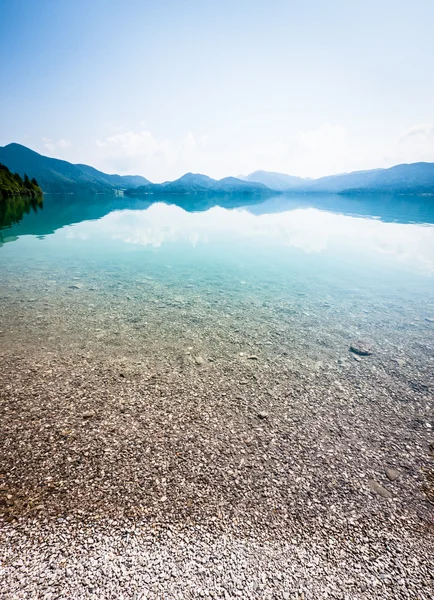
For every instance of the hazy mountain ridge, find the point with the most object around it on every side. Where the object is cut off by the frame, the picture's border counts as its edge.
(195, 183)
(413, 178)
(60, 176)
(275, 181)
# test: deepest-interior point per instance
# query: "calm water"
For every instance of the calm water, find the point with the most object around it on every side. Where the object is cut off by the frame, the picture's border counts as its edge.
(299, 276)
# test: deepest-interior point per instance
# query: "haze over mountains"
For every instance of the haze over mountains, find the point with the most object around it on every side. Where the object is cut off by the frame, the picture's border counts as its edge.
(275, 181)
(406, 178)
(59, 176)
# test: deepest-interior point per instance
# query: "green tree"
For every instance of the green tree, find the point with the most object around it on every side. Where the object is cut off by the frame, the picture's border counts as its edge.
(27, 183)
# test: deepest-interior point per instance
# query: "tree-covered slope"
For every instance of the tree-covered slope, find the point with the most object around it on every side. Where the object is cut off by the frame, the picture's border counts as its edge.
(12, 184)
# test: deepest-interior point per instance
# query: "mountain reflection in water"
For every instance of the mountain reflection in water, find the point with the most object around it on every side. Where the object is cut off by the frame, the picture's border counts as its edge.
(374, 228)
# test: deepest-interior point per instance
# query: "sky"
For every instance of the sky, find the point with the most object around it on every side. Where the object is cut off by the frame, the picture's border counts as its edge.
(227, 87)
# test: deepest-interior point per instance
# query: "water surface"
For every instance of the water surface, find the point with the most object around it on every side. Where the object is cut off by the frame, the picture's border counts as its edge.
(296, 276)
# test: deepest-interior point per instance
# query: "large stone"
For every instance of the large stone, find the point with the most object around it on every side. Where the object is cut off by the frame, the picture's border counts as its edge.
(379, 489)
(361, 348)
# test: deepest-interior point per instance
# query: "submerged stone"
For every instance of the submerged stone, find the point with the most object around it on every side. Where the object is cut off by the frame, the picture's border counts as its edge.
(361, 348)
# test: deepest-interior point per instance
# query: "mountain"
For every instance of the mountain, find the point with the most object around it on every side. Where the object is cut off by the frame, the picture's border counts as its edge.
(194, 183)
(60, 176)
(415, 178)
(275, 181)
(116, 181)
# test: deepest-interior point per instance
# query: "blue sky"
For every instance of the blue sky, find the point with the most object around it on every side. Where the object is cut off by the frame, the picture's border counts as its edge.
(306, 87)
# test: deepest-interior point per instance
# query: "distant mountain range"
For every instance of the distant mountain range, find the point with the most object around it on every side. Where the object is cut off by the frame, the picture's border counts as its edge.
(59, 176)
(192, 183)
(275, 181)
(415, 178)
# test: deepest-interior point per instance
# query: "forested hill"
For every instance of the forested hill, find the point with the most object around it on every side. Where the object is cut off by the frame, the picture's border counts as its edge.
(59, 176)
(12, 184)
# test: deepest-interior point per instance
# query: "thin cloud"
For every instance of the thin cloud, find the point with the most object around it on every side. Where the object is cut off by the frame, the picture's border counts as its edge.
(142, 152)
(51, 145)
(417, 130)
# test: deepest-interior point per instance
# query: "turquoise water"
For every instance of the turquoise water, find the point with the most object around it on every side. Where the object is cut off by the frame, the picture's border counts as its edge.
(296, 276)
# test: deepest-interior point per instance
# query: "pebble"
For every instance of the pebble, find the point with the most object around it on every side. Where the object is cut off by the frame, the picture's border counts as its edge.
(392, 474)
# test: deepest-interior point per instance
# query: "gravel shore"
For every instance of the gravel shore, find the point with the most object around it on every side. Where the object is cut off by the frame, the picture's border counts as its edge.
(181, 449)
(142, 484)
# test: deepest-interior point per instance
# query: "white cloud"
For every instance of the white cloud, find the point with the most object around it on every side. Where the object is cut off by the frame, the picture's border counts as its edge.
(141, 152)
(323, 150)
(189, 141)
(52, 146)
(64, 144)
(48, 144)
(310, 153)
(324, 137)
(417, 130)
(131, 143)
(416, 144)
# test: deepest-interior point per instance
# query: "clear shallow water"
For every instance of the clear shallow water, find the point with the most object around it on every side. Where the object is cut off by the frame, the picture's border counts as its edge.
(297, 276)
(154, 329)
